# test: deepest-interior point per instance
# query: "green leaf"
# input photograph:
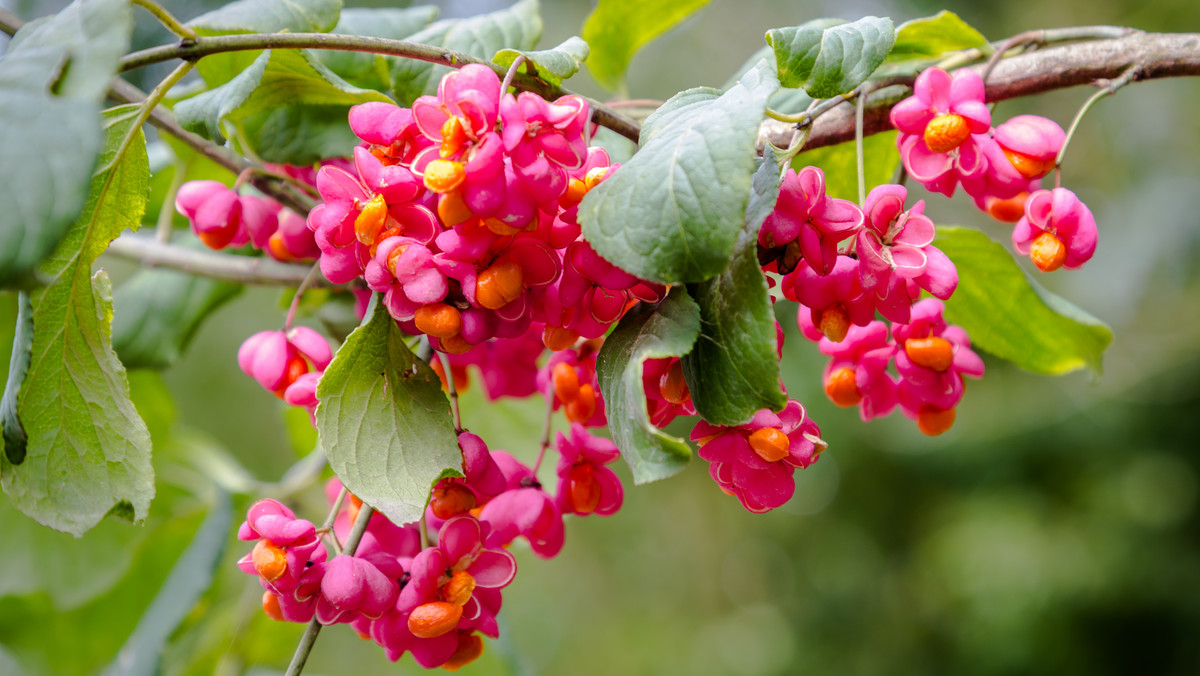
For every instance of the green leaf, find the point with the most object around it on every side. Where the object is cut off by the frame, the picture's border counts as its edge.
(158, 311)
(364, 69)
(673, 213)
(784, 99)
(616, 29)
(191, 576)
(646, 332)
(88, 451)
(15, 438)
(839, 162)
(1012, 316)
(934, 35)
(828, 57)
(517, 27)
(52, 78)
(551, 66)
(734, 369)
(384, 422)
(258, 16)
(284, 92)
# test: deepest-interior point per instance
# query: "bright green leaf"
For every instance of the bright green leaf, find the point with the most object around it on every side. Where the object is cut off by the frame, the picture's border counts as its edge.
(1013, 317)
(617, 29)
(839, 162)
(158, 311)
(191, 576)
(551, 66)
(88, 451)
(384, 422)
(364, 69)
(517, 27)
(934, 35)
(286, 93)
(828, 57)
(647, 332)
(52, 78)
(733, 371)
(673, 213)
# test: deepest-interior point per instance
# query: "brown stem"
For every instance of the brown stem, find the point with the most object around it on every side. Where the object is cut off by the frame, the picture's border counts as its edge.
(1157, 55)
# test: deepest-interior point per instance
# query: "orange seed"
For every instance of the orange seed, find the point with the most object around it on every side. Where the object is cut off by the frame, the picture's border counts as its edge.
(270, 561)
(842, 388)
(770, 443)
(946, 132)
(458, 589)
(835, 323)
(438, 320)
(443, 176)
(369, 222)
(500, 284)
(433, 619)
(1048, 252)
(932, 353)
(934, 421)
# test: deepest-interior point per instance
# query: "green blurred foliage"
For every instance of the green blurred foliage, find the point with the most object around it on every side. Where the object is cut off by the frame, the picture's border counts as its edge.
(1055, 530)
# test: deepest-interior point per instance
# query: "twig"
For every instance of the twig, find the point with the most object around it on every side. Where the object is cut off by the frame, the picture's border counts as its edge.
(205, 46)
(314, 273)
(545, 436)
(452, 391)
(1158, 55)
(228, 267)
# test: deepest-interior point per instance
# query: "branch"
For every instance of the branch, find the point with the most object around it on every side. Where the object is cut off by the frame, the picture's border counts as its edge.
(164, 120)
(228, 267)
(205, 46)
(1156, 55)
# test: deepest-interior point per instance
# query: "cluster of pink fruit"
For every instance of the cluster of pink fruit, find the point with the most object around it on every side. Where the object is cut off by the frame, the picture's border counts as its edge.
(461, 213)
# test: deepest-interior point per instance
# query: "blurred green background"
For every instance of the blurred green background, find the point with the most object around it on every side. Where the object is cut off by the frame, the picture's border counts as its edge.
(1053, 530)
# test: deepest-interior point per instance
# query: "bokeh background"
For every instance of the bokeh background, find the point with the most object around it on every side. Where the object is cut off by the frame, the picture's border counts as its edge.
(1053, 530)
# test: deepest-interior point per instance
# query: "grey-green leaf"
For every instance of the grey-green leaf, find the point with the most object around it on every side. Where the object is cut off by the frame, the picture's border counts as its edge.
(270, 16)
(551, 66)
(516, 27)
(646, 332)
(190, 577)
(372, 71)
(673, 212)
(158, 311)
(52, 78)
(932, 36)
(1014, 317)
(88, 452)
(384, 422)
(828, 57)
(734, 369)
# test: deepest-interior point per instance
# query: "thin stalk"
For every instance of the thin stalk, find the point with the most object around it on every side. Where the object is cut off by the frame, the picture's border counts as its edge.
(545, 436)
(1108, 90)
(314, 628)
(165, 224)
(205, 46)
(152, 100)
(166, 19)
(452, 391)
(305, 285)
(332, 517)
(512, 72)
(784, 117)
(858, 146)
